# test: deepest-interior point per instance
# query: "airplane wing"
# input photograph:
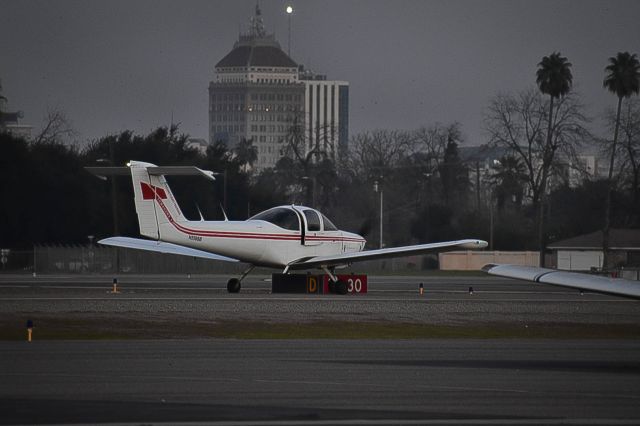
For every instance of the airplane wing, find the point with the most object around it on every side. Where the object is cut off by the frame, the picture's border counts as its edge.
(347, 258)
(588, 282)
(161, 247)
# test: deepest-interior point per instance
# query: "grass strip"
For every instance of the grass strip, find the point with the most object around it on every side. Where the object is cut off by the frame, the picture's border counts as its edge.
(53, 328)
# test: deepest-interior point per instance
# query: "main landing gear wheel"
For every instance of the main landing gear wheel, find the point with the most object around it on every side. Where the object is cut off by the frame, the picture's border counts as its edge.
(340, 287)
(233, 285)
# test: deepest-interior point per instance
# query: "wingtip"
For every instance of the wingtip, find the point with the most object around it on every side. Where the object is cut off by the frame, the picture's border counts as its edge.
(488, 267)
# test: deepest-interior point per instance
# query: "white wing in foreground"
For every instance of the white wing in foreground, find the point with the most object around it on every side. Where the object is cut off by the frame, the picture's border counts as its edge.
(161, 247)
(588, 282)
(347, 258)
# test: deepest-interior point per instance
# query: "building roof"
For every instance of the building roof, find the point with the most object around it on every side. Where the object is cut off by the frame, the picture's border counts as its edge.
(256, 48)
(628, 239)
(256, 55)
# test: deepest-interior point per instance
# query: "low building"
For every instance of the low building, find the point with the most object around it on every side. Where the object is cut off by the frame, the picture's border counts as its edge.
(584, 252)
(472, 260)
(9, 121)
(198, 144)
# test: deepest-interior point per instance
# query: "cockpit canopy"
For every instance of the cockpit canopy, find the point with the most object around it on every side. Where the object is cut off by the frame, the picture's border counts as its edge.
(287, 218)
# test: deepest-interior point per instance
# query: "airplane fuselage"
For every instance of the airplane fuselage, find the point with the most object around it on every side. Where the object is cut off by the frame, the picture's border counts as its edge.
(259, 242)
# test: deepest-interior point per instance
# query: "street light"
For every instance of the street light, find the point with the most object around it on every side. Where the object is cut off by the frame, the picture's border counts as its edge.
(491, 199)
(114, 198)
(378, 188)
(289, 10)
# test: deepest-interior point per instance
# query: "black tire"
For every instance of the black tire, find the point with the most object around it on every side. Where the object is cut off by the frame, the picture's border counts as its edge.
(341, 287)
(233, 285)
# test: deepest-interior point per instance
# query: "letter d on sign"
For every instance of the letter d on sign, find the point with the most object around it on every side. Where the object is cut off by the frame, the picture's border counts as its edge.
(312, 284)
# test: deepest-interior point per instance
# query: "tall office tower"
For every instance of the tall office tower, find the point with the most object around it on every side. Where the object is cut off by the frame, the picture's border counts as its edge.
(260, 93)
(326, 115)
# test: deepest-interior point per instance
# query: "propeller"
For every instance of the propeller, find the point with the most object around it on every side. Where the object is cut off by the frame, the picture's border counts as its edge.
(365, 227)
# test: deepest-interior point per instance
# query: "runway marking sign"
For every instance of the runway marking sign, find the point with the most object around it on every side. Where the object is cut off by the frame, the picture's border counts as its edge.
(312, 284)
(356, 284)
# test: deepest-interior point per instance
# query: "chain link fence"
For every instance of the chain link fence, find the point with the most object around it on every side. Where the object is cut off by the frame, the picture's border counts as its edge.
(84, 259)
(76, 259)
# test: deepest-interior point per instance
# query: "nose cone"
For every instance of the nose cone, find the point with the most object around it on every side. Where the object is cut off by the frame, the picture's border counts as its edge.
(353, 237)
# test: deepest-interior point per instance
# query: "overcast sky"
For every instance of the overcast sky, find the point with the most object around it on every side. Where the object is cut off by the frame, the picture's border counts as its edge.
(116, 65)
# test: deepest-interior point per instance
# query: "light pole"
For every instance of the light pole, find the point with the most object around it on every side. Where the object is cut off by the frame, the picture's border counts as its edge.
(114, 199)
(289, 11)
(377, 187)
(491, 199)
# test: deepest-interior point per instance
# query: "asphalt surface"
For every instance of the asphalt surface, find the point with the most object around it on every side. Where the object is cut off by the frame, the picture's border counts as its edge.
(321, 382)
(389, 381)
(446, 300)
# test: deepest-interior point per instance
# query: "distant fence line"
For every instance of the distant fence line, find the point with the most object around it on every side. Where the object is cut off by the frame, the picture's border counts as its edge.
(77, 259)
(83, 259)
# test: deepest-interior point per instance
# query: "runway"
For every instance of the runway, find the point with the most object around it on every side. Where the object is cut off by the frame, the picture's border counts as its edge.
(173, 367)
(321, 382)
(446, 301)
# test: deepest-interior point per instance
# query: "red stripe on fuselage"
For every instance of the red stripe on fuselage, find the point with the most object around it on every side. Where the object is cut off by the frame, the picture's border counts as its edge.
(247, 235)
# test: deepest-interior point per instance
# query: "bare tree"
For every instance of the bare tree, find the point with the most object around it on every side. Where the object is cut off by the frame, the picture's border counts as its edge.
(308, 160)
(56, 128)
(432, 142)
(519, 123)
(628, 150)
(373, 152)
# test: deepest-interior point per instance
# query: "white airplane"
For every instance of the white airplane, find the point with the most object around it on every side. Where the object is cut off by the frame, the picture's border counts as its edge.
(285, 237)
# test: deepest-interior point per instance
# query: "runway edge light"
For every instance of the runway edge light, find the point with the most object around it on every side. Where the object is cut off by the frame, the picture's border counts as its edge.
(115, 286)
(29, 330)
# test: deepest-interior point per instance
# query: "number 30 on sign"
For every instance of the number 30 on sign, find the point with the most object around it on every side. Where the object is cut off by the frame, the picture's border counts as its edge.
(356, 284)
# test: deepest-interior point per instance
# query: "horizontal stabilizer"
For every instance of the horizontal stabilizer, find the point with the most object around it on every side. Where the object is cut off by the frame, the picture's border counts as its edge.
(162, 247)
(582, 281)
(153, 171)
(347, 258)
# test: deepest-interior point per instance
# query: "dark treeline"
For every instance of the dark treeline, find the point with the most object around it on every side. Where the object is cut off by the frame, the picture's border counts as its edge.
(429, 193)
(538, 191)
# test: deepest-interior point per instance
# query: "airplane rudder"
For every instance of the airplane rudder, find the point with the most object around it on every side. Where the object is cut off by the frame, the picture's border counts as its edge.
(143, 197)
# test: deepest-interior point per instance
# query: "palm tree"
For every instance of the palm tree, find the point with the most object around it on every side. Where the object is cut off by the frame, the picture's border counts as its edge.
(554, 79)
(246, 153)
(623, 79)
(509, 178)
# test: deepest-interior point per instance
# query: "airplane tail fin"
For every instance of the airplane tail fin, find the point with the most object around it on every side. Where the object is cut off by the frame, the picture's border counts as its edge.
(155, 203)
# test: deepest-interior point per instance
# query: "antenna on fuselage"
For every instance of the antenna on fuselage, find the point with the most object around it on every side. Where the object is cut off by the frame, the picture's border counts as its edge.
(226, 219)
(200, 213)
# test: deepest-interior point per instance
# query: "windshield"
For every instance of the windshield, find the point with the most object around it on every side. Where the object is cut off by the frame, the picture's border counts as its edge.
(280, 216)
(328, 225)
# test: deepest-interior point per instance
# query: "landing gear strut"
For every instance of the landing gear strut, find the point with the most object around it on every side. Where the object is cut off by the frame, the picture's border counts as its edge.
(335, 285)
(234, 284)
